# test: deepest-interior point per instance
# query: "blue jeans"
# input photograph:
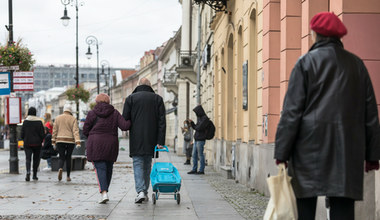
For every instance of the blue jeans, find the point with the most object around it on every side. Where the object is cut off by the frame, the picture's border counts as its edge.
(49, 162)
(103, 171)
(198, 152)
(142, 166)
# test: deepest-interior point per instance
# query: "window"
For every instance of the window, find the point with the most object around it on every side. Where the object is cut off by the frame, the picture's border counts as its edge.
(64, 75)
(57, 83)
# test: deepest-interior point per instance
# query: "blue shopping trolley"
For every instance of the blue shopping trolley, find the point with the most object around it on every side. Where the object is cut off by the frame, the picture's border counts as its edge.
(165, 178)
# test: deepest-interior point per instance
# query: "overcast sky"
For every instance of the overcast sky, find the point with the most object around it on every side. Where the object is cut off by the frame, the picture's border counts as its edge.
(124, 28)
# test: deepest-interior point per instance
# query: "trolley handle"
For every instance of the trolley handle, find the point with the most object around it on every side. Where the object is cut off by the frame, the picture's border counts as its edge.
(165, 148)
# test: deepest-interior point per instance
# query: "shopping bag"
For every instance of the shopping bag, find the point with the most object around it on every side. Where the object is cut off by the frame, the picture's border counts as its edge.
(282, 203)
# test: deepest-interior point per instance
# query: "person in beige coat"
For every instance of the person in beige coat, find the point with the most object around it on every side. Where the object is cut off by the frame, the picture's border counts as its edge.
(65, 136)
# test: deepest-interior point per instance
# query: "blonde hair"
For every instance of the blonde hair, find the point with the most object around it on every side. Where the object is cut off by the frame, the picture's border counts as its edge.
(102, 97)
(47, 117)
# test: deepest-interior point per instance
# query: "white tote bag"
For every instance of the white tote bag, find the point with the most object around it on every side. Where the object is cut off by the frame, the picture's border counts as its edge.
(282, 203)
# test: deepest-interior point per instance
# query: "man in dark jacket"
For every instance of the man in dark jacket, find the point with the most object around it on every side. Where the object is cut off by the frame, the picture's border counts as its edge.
(200, 140)
(146, 110)
(32, 133)
(329, 124)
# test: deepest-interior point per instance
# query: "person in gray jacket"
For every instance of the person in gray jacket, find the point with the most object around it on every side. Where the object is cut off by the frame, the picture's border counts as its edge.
(329, 127)
(187, 132)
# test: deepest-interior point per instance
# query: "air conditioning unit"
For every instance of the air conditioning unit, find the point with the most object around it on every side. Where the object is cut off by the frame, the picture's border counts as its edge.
(185, 61)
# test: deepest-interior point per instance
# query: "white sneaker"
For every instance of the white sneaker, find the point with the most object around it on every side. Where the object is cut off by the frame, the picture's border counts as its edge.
(140, 197)
(104, 198)
(46, 169)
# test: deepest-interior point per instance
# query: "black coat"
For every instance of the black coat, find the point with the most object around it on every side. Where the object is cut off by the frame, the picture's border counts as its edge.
(146, 110)
(201, 125)
(329, 123)
(32, 131)
(47, 151)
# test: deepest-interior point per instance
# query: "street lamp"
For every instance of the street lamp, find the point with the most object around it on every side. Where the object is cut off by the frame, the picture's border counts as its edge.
(106, 76)
(91, 40)
(65, 21)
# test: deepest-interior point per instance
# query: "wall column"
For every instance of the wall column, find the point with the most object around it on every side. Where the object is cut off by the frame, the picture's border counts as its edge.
(271, 68)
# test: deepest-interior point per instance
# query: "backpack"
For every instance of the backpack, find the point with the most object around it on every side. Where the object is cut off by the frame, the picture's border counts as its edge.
(210, 130)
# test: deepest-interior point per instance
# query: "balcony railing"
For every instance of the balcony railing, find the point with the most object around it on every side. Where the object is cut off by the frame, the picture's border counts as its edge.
(170, 77)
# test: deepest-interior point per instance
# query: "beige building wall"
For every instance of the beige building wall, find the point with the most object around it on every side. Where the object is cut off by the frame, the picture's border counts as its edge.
(237, 37)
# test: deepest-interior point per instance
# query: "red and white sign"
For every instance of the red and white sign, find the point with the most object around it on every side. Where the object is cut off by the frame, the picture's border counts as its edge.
(13, 110)
(23, 87)
(23, 81)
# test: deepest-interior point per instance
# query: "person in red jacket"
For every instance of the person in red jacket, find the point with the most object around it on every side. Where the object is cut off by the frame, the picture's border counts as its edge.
(329, 124)
(48, 122)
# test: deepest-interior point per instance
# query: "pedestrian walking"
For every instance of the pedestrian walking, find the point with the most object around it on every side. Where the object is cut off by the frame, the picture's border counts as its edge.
(329, 127)
(47, 150)
(48, 122)
(146, 110)
(187, 132)
(200, 140)
(65, 137)
(101, 128)
(32, 133)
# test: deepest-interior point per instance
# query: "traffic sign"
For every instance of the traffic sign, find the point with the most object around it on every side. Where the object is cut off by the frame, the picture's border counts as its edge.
(5, 83)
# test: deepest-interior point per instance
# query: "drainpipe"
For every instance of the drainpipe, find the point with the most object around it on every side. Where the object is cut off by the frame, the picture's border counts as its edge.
(199, 57)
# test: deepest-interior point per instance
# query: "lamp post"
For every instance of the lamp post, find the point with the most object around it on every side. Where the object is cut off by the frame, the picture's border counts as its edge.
(13, 151)
(91, 40)
(106, 76)
(65, 21)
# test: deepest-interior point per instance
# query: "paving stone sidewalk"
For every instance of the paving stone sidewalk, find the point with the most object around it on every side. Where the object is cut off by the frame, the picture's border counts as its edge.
(209, 196)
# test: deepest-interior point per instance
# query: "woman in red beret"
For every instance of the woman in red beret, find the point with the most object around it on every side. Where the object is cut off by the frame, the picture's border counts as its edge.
(329, 127)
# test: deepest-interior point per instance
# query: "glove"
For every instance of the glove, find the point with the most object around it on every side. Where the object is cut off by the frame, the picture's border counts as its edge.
(371, 165)
(280, 161)
(160, 146)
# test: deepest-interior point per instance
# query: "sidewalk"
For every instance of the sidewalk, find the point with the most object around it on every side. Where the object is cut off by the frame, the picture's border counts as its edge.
(202, 196)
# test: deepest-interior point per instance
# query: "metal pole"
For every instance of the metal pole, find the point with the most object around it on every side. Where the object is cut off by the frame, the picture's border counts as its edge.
(109, 81)
(199, 57)
(13, 151)
(97, 65)
(77, 57)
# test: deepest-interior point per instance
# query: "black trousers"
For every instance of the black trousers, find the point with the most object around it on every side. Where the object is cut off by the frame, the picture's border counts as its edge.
(340, 208)
(65, 151)
(35, 151)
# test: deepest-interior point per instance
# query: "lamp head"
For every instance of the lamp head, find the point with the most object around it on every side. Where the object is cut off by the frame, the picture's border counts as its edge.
(89, 54)
(65, 19)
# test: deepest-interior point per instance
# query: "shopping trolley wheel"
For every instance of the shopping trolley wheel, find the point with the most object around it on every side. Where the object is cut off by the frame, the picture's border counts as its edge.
(154, 198)
(178, 198)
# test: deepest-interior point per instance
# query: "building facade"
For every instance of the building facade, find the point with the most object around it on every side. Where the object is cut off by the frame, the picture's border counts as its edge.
(256, 45)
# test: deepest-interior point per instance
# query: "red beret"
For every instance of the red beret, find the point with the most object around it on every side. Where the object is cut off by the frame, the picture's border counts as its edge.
(328, 24)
